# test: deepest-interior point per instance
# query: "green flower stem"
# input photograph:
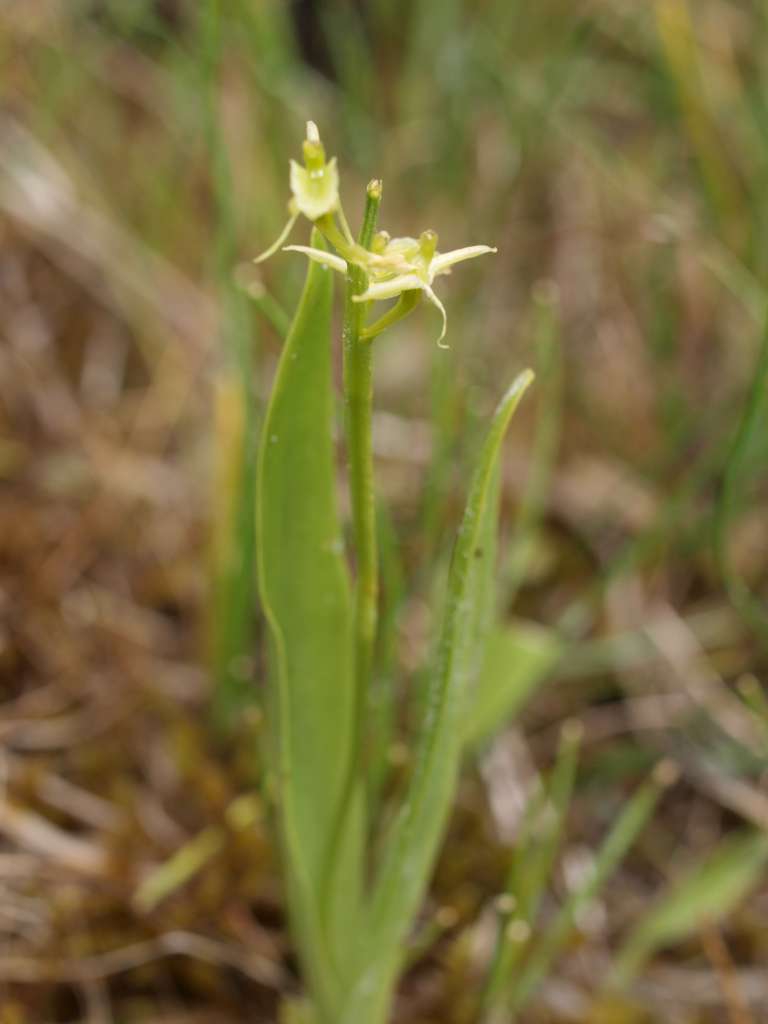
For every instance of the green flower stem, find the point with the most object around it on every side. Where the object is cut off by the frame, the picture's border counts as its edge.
(351, 827)
(358, 401)
(404, 305)
(350, 250)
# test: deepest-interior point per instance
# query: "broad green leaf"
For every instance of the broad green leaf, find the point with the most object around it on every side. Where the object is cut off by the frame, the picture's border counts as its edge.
(411, 845)
(709, 891)
(305, 592)
(517, 659)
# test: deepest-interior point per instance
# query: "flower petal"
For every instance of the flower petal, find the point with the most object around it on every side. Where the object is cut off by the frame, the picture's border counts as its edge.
(389, 289)
(398, 254)
(436, 302)
(328, 259)
(282, 237)
(316, 191)
(444, 260)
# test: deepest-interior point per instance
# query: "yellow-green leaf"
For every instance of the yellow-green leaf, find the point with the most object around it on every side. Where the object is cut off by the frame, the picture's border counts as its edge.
(305, 592)
(708, 892)
(411, 845)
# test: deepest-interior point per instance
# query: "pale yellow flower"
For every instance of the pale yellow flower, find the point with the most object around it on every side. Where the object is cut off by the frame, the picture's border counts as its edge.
(314, 188)
(398, 266)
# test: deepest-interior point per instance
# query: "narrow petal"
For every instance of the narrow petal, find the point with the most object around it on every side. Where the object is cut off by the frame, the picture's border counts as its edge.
(315, 192)
(276, 245)
(436, 302)
(390, 289)
(328, 259)
(444, 260)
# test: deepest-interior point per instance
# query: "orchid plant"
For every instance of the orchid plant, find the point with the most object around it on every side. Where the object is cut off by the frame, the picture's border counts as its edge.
(355, 879)
(397, 268)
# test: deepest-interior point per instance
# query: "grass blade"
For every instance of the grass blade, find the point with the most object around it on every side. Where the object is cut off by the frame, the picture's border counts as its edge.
(532, 862)
(613, 850)
(751, 423)
(708, 892)
(236, 415)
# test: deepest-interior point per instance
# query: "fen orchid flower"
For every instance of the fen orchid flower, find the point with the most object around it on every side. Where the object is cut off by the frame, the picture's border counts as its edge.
(407, 265)
(401, 268)
(314, 189)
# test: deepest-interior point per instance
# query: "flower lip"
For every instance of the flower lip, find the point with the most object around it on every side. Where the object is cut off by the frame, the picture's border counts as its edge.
(315, 189)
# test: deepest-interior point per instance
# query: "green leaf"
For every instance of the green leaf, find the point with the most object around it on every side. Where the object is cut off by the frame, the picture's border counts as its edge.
(411, 845)
(708, 892)
(305, 592)
(481, 583)
(750, 427)
(517, 660)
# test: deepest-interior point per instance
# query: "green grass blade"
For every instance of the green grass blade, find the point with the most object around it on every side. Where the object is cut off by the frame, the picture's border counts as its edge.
(234, 553)
(532, 862)
(530, 874)
(546, 439)
(751, 423)
(305, 591)
(412, 842)
(613, 850)
(708, 893)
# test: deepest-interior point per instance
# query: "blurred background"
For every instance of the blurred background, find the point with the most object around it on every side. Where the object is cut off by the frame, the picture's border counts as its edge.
(616, 152)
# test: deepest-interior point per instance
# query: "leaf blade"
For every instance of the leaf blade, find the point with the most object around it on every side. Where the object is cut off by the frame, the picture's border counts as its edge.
(517, 660)
(306, 596)
(413, 839)
(708, 891)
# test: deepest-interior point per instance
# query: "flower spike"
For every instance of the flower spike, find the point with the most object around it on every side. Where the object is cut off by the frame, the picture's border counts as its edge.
(396, 268)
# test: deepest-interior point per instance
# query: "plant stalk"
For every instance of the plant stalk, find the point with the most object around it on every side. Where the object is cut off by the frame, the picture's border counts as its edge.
(351, 825)
(358, 404)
